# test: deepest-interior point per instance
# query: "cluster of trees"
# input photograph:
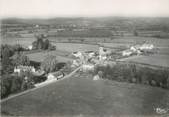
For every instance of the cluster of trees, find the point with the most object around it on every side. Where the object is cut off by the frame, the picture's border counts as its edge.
(40, 43)
(7, 51)
(134, 74)
(14, 83)
(20, 59)
(12, 56)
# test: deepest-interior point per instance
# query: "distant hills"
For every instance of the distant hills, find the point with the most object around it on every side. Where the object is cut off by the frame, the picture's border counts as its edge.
(92, 20)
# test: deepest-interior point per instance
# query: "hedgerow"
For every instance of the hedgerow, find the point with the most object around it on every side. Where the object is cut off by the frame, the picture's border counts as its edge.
(135, 74)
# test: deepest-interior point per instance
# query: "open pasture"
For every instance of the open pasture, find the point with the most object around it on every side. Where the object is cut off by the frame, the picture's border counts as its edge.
(163, 50)
(40, 56)
(72, 47)
(16, 40)
(154, 60)
(136, 40)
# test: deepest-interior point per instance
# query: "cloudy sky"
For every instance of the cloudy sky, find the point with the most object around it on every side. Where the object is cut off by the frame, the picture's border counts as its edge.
(80, 8)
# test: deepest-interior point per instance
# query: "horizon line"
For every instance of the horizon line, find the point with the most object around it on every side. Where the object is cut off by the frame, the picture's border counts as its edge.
(55, 17)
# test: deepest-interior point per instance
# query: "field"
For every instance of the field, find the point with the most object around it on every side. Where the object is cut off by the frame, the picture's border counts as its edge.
(14, 40)
(72, 47)
(161, 58)
(116, 44)
(134, 40)
(80, 95)
(154, 60)
(40, 56)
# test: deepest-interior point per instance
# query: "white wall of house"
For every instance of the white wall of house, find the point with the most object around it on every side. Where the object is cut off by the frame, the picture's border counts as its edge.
(50, 77)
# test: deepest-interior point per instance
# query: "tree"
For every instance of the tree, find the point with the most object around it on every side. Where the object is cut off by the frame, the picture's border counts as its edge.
(6, 81)
(49, 64)
(20, 59)
(40, 43)
(27, 80)
(16, 84)
(34, 44)
(46, 44)
(18, 48)
(6, 62)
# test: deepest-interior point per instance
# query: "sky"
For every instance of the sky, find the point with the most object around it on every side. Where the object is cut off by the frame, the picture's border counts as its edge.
(83, 8)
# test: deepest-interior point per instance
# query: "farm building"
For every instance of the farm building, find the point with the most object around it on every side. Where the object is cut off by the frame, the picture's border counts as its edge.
(30, 47)
(127, 53)
(103, 53)
(55, 75)
(87, 67)
(20, 68)
(147, 47)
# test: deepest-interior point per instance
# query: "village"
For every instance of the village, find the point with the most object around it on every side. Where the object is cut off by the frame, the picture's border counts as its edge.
(86, 61)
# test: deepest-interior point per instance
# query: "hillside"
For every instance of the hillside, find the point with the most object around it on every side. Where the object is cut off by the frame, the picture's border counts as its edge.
(80, 95)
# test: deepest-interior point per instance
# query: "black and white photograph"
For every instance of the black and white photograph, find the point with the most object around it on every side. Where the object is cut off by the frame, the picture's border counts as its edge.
(84, 58)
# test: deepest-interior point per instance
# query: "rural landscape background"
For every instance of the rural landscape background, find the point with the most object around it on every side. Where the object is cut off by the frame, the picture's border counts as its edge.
(85, 66)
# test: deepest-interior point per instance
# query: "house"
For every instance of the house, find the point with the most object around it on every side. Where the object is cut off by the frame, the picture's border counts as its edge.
(90, 54)
(127, 53)
(77, 54)
(96, 77)
(20, 68)
(103, 53)
(75, 63)
(136, 49)
(87, 67)
(147, 47)
(30, 47)
(133, 48)
(55, 75)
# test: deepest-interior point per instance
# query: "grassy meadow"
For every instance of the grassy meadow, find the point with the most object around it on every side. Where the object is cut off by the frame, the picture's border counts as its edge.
(92, 98)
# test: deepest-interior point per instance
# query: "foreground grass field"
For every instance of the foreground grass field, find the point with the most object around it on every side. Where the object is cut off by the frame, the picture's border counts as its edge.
(80, 95)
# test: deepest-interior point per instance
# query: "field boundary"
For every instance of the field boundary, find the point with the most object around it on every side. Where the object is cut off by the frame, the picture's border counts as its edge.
(30, 90)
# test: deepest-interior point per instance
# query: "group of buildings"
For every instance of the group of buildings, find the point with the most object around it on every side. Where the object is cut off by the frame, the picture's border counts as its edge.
(138, 49)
